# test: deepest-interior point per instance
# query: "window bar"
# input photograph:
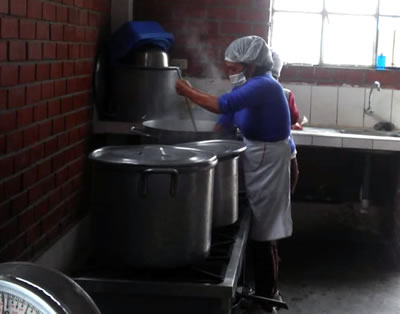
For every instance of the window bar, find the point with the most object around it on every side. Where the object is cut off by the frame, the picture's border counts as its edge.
(376, 43)
(324, 15)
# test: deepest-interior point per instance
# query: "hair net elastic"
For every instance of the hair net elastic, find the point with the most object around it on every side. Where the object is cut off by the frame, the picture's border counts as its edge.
(278, 64)
(250, 50)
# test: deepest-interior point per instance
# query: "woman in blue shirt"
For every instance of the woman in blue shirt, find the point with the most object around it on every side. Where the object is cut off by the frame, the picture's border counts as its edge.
(258, 107)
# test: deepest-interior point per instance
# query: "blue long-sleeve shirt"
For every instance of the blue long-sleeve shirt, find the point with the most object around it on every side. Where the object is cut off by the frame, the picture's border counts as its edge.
(258, 108)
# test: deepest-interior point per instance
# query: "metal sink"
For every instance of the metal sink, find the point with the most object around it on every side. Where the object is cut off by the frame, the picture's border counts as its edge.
(370, 132)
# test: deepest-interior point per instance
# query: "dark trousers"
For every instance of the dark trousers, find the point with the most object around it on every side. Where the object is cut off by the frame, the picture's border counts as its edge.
(265, 261)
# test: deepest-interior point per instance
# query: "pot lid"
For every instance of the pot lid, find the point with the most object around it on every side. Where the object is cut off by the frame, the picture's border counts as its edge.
(154, 156)
(221, 148)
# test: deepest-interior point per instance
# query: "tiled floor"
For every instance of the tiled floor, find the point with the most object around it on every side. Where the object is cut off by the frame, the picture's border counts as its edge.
(329, 268)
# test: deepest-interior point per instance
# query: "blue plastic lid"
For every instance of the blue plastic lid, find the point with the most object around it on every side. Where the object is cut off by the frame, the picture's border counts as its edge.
(136, 34)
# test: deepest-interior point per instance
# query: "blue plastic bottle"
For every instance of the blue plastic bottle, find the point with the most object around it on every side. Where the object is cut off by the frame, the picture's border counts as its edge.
(380, 62)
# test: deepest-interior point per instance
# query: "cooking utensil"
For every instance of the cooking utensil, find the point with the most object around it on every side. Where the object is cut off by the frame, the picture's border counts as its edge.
(188, 105)
(226, 183)
(173, 132)
(150, 57)
(152, 205)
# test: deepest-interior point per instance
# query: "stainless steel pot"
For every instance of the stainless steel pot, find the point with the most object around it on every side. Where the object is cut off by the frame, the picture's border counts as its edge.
(145, 93)
(153, 57)
(152, 205)
(173, 132)
(226, 183)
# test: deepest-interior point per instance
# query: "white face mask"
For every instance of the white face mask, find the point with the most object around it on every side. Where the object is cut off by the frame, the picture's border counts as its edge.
(237, 79)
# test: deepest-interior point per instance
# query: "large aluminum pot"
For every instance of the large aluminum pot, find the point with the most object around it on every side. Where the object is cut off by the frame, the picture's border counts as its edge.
(226, 183)
(152, 205)
(172, 132)
(144, 93)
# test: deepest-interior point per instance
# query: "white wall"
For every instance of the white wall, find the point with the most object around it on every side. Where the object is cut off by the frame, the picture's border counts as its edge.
(343, 106)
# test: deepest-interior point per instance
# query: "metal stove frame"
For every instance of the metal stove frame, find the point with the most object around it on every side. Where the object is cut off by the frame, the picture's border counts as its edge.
(151, 297)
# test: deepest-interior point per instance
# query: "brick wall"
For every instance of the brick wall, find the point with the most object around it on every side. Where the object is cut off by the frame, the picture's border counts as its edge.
(204, 28)
(47, 51)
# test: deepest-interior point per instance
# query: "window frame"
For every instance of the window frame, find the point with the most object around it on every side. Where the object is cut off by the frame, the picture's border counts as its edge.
(325, 15)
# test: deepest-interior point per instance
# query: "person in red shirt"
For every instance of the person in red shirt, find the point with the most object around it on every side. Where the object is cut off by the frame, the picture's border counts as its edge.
(294, 120)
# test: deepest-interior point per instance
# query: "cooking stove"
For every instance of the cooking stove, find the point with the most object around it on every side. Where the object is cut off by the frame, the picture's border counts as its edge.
(207, 287)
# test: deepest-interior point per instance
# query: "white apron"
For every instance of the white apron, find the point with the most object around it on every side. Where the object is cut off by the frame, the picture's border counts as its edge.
(267, 176)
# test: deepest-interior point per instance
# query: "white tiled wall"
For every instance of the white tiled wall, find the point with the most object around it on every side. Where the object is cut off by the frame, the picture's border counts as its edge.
(344, 106)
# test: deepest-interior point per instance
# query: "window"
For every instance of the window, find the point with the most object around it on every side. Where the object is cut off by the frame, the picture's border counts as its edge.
(337, 32)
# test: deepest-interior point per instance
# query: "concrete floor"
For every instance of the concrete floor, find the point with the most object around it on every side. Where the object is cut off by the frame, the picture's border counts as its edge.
(331, 267)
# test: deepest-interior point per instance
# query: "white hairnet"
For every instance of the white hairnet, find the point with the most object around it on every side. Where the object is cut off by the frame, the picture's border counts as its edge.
(250, 50)
(278, 64)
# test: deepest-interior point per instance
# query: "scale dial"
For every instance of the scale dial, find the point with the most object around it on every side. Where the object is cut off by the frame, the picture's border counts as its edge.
(26, 288)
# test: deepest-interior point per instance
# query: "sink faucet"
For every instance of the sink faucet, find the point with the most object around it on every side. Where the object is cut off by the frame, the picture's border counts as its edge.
(376, 85)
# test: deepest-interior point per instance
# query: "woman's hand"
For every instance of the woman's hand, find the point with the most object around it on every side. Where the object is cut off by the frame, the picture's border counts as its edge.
(182, 86)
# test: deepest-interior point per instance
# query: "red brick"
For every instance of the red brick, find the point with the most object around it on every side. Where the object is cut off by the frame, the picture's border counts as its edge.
(30, 136)
(35, 193)
(68, 69)
(14, 142)
(8, 121)
(24, 117)
(22, 160)
(37, 152)
(35, 51)
(49, 11)
(16, 97)
(253, 15)
(61, 176)
(4, 6)
(58, 125)
(56, 70)
(90, 35)
(45, 130)
(49, 51)
(72, 85)
(9, 27)
(35, 9)
(50, 147)
(3, 98)
(94, 19)
(47, 90)
(12, 186)
(70, 120)
(29, 177)
(18, 7)
(73, 16)
(68, 2)
(26, 73)
(58, 161)
(66, 104)
(2, 151)
(33, 234)
(3, 50)
(59, 88)
(62, 14)
(8, 75)
(56, 31)
(84, 18)
(74, 51)
(26, 220)
(62, 141)
(43, 71)
(54, 108)
(222, 13)
(27, 29)
(6, 167)
(40, 112)
(62, 51)
(236, 28)
(79, 3)
(17, 50)
(33, 94)
(71, 33)
(260, 30)
(44, 169)
(42, 31)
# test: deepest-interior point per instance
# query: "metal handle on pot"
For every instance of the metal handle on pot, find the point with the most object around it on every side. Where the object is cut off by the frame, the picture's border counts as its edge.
(172, 172)
(136, 131)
